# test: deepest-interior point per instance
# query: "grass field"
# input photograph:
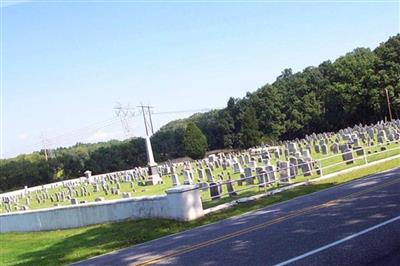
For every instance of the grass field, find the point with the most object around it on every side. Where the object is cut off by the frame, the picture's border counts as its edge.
(66, 246)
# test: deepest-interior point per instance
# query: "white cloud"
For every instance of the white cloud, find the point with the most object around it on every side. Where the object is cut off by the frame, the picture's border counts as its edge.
(23, 136)
(102, 136)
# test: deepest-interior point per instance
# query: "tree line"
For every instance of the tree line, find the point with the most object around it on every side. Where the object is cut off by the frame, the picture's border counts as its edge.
(333, 95)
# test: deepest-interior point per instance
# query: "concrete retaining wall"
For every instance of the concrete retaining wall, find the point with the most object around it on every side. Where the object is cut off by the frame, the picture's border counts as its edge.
(181, 203)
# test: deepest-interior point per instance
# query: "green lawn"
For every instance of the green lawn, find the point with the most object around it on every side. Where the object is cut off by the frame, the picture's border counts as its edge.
(67, 246)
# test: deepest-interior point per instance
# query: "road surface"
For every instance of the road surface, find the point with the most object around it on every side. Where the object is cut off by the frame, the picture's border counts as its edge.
(354, 224)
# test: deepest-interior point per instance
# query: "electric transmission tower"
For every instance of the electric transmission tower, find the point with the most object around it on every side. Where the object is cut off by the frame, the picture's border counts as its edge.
(125, 114)
(388, 104)
(48, 152)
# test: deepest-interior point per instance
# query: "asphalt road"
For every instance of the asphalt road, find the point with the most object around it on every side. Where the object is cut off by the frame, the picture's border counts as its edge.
(354, 224)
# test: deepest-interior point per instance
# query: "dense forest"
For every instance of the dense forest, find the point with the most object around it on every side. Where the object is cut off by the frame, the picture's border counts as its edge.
(333, 95)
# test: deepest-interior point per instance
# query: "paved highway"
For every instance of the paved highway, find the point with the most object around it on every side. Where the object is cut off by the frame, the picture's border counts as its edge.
(354, 224)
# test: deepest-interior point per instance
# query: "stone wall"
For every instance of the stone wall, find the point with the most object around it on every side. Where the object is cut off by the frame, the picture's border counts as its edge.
(181, 203)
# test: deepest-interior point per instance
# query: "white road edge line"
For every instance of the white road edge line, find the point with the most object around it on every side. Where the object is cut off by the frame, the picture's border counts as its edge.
(312, 252)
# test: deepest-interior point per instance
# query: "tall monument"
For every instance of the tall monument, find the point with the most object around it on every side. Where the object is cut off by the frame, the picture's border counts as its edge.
(154, 177)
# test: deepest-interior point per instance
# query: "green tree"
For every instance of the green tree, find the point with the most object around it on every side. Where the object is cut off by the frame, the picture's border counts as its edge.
(249, 134)
(194, 142)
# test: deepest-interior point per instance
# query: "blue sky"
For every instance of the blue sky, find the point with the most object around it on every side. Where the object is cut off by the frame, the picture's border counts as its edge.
(66, 65)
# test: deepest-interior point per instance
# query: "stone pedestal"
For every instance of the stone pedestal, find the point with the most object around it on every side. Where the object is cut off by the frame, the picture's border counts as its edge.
(184, 203)
(88, 175)
(153, 170)
(154, 177)
(153, 180)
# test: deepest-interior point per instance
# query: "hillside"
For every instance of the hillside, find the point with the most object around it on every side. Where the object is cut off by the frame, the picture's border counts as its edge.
(334, 95)
(328, 97)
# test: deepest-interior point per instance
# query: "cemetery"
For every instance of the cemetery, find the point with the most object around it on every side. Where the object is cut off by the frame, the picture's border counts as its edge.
(194, 132)
(220, 177)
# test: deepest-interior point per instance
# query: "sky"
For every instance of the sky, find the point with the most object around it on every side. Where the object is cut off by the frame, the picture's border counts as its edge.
(67, 64)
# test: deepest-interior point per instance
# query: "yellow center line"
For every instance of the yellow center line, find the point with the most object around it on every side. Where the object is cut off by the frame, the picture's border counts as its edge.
(266, 224)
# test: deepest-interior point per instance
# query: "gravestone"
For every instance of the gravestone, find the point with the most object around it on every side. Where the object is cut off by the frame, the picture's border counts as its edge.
(259, 174)
(284, 171)
(324, 149)
(241, 160)
(246, 158)
(126, 195)
(343, 147)
(277, 154)
(266, 162)
(294, 162)
(252, 164)
(317, 148)
(348, 156)
(230, 189)
(215, 192)
(175, 180)
(292, 147)
(237, 169)
(241, 179)
(359, 151)
(200, 173)
(248, 175)
(306, 167)
(210, 177)
(262, 178)
(335, 148)
(306, 153)
(212, 158)
(292, 171)
(270, 171)
(187, 178)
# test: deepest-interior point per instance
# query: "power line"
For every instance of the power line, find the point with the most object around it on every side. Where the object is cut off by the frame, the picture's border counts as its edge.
(184, 111)
(77, 133)
(124, 114)
(88, 127)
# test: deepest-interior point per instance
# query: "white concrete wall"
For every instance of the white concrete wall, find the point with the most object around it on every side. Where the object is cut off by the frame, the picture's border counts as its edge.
(181, 203)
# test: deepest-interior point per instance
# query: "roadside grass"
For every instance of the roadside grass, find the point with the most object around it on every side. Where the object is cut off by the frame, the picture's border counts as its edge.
(66, 246)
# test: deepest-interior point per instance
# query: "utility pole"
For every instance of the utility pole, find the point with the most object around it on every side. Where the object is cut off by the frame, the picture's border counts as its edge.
(151, 121)
(388, 104)
(144, 120)
(153, 175)
(148, 122)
